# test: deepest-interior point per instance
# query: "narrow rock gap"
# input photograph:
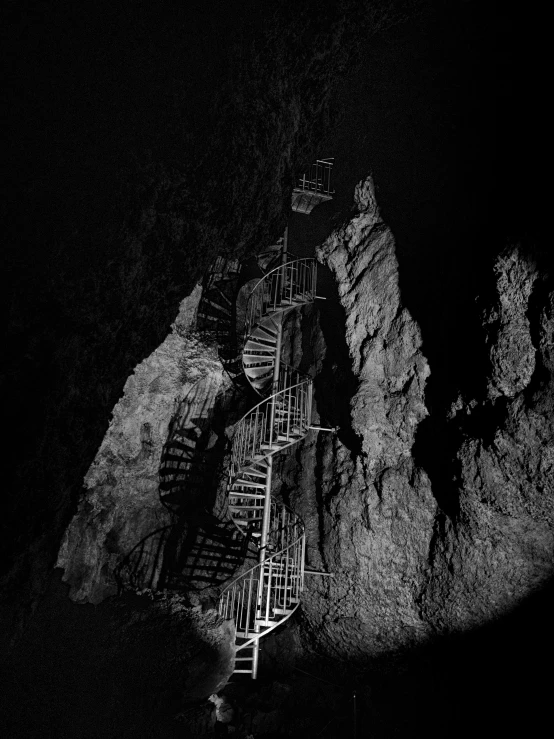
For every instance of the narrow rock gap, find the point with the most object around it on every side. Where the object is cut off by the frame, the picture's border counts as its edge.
(336, 383)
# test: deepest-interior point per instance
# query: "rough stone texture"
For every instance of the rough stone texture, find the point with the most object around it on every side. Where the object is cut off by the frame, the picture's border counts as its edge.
(509, 336)
(371, 510)
(404, 569)
(121, 504)
(499, 549)
(382, 338)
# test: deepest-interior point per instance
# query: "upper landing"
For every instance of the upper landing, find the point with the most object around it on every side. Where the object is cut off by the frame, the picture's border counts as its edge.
(313, 188)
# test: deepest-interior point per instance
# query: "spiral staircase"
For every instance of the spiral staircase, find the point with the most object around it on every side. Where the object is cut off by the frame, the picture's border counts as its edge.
(267, 594)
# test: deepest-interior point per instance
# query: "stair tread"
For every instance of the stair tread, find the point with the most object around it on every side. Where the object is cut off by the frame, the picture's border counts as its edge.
(254, 496)
(264, 344)
(256, 473)
(240, 481)
(260, 363)
(258, 371)
(261, 328)
(246, 521)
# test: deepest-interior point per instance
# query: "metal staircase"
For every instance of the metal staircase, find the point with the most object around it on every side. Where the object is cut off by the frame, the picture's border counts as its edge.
(269, 592)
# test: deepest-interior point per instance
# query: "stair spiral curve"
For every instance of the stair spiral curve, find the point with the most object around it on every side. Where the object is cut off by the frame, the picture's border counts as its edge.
(268, 593)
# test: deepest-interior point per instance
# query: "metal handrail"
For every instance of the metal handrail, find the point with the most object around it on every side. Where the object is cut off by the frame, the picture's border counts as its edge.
(269, 592)
(255, 434)
(281, 576)
(280, 288)
(318, 179)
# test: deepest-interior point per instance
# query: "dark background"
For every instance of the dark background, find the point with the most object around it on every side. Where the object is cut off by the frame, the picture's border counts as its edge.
(142, 139)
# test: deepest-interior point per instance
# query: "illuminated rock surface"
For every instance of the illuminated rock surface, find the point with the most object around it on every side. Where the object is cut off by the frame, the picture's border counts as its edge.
(432, 504)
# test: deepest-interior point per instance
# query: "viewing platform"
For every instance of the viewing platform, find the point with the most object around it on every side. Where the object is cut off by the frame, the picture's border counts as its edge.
(313, 188)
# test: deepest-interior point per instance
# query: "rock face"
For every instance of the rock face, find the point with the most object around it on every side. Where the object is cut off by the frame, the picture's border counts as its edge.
(375, 508)
(121, 508)
(404, 568)
(509, 331)
(499, 549)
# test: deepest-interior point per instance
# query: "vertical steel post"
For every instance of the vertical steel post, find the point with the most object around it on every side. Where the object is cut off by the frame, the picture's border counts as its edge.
(260, 600)
(255, 658)
(274, 389)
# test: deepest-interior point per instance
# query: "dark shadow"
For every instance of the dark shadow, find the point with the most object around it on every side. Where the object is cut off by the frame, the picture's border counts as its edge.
(490, 681)
(422, 127)
(189, 465)
(217, 311)
(336, 384)
(197, 552)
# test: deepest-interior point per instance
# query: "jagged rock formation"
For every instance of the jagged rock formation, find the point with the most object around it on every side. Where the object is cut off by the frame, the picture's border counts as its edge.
(499, 548)
(374, 509)
(110, 222)
(404, 569)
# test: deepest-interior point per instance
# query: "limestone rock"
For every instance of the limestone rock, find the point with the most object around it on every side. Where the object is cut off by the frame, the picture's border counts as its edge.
(383, 340)
(512, 351)
(121, 506)
(375, 509)
(499, 549)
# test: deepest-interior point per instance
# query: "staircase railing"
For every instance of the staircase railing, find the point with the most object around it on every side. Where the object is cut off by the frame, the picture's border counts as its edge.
(269, 592)
(262, 596)
(255, 434)
(285, 286)
(318, 178)
(314, 187)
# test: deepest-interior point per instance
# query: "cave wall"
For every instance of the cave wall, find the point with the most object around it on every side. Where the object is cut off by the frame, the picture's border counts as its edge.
(374, 506)
(498, 549)
(407, 570)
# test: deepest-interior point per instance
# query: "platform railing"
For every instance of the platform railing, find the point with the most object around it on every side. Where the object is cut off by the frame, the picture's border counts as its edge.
(318, 178)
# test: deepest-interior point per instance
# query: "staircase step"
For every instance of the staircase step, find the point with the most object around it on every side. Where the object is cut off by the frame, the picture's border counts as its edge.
(249, 484)
(258, 344)
(254, 472)
(235, 507)
(239, 494)
(251, 357)
(245, 521)
(258, 371)
(267, 331)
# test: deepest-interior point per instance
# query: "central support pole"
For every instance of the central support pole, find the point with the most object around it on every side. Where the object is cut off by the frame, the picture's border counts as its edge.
(281, 282)
(263, 586)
